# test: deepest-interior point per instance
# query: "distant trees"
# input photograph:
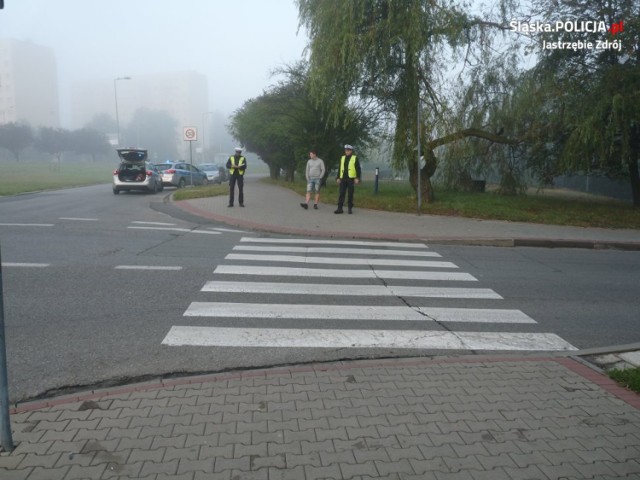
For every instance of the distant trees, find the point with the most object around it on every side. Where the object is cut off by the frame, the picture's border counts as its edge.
(155, 130)
(17, 138)
(87, 141)
(54, 141)
(284, 123)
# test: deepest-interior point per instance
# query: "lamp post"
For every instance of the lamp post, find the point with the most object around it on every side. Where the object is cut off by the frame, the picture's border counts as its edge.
(204, 129)
(115, 92)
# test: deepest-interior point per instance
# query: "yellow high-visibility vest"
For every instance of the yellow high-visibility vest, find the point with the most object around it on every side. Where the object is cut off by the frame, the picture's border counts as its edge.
(351, 170)
(234, 167)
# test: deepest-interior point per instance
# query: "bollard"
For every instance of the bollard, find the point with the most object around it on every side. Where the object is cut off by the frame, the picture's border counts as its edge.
(375, 183)
(6, 441)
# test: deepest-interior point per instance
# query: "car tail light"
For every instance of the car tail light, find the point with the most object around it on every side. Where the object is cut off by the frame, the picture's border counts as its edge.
(171, 170)
(116, 172)
(149, 173)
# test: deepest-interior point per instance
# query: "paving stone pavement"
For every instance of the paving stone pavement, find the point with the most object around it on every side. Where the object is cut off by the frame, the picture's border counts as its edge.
(414, 418)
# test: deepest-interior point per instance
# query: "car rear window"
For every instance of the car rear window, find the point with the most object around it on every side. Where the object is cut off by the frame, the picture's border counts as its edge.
(133, 156)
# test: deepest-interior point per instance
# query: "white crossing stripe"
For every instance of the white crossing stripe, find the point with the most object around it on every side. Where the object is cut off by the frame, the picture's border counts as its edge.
(146, 267)
(26, 224)
(339, 261)
(28, 265)
(399, 339)
(333, 242)
(79, 219)
(355, 312)
(227, 230)
(355, 290)
(343, 273)
(354, 251)
(153, 223)
(186, 230)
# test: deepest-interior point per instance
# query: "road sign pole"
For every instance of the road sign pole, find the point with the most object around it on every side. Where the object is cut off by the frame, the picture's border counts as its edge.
(191, 159)
(6, 441)
(190, 134)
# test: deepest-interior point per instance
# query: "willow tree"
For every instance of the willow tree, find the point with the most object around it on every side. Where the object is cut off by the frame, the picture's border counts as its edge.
(597, 103)
(391, 56)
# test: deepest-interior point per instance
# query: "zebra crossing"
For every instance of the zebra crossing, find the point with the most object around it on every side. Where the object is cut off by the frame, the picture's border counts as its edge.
(373, 270)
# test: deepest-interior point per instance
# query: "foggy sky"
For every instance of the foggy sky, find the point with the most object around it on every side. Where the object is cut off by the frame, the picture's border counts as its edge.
(235, 43)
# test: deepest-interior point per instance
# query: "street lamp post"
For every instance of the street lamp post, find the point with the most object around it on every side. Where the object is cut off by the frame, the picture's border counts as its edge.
(204, 129)
(115, 92)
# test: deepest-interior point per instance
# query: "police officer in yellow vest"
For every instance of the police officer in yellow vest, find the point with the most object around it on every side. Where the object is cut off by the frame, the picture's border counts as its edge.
(236, 165)
(348, 175)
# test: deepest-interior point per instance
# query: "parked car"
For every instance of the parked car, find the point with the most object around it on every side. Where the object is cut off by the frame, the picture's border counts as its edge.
(215, 173)
(181, 174)
(135, 173)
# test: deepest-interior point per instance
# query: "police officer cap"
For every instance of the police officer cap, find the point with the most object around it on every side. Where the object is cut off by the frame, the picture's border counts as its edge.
(238, 149)
(348, 147)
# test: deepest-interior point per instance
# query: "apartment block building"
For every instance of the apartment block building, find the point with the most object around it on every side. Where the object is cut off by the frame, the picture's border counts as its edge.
(28, 84)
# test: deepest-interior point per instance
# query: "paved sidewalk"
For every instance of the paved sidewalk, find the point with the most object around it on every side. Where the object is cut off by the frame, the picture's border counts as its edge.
(446, 418)
(539, 416)
(275, 209)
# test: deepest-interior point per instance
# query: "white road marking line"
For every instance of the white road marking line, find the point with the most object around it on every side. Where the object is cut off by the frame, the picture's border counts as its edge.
(185, 230)
(28, 265)
(400, 339)
(339, 261)
(145, 267)
(343, 273)
(333, 242)
(26, 224)
(153, 223)
(227, 230)
(79, 219)
(354, 312)
(355, 251)
(356, 290)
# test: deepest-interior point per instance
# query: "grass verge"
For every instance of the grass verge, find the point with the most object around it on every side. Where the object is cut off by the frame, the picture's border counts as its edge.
(190, 193)
(22, 177)
(628, 378)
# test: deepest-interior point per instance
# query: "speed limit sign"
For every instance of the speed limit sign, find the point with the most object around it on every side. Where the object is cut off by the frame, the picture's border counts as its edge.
(190, 134)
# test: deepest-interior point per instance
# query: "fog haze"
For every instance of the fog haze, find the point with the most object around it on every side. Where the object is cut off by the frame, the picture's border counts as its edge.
(235, 43)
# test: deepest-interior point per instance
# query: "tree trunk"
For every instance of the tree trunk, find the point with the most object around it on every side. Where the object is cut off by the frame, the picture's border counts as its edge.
(274, 172)
(426, 172)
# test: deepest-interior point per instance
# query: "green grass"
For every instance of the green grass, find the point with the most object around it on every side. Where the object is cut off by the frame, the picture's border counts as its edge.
(34, 177)
(201, 192)
(628, 378)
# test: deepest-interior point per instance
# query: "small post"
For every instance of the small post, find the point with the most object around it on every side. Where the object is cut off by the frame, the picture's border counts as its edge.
(6, 441)
(375, 183)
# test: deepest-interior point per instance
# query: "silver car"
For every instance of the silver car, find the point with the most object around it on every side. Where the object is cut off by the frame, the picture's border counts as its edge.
(215, 173)
(135, 173)
(181, 174)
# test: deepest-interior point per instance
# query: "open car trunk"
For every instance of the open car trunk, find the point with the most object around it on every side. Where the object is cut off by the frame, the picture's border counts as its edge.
(133, 166)
(132, 173)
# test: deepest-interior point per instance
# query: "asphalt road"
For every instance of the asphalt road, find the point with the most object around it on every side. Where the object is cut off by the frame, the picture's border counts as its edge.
(94, 282)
